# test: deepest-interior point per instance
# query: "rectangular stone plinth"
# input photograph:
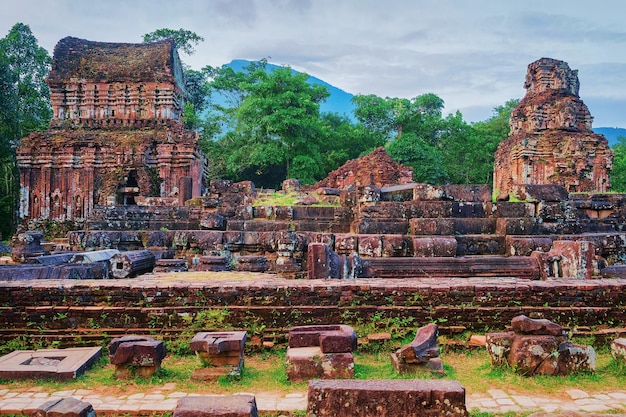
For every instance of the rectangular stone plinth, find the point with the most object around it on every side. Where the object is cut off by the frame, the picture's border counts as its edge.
(59, 364)
(386, 398)
(242, 405)
(221, 353)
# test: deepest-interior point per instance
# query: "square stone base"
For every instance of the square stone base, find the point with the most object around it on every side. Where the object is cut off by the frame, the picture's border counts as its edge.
(306, 363)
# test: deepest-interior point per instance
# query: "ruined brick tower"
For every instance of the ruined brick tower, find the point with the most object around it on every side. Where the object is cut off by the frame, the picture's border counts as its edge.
(116, 135)
(551, 141)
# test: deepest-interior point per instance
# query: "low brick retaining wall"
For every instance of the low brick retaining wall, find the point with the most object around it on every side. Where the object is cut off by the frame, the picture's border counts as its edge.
(75, 311)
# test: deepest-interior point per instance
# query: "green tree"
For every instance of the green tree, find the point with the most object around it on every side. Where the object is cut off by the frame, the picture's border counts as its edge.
(411, 128)
(269, 125)
(618, 173)
(186, 40)
(24, 108)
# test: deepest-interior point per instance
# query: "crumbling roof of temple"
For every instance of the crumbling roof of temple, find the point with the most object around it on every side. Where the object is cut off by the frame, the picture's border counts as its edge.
(376, 168)
(115, 62)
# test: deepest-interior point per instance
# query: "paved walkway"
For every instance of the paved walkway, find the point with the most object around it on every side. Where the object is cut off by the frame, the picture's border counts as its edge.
(165, 398)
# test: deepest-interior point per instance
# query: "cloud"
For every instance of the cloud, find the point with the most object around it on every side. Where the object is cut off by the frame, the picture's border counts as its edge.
(474, 54)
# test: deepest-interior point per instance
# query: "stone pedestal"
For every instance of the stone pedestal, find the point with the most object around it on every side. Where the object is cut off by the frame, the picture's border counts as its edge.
(221, 354)
(320, 352)
(136, 356)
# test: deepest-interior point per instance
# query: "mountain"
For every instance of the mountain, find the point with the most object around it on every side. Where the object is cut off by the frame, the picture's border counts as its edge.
(611, 133)
(339, 101)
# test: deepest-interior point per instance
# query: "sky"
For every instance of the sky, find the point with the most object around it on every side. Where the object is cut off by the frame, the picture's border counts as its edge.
(471, 53)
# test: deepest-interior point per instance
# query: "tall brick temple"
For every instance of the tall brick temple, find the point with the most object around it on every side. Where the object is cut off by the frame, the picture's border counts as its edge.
(551, 141)
(116, 135)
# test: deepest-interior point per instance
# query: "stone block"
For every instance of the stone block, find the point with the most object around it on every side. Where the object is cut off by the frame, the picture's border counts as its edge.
(386, 398)
(511, 209)
(534, 193)
(568, 259)
(240, 405)
(216, 343)
(346, 244)
(170, 265)
(58, 364)
(524, 325)
(27, 245)
(330, 338)
(525, 245)
(305, 363)
(480, 245)
(539, 347)
(220, 186)
(618, 350)
(136, 355)
(395, 245)
(468, 210)
(221, 353)
(422, 352)
(383, 210)
(435, 246)
(428, 209)
(499, 346)
(213, 263)
(213, 221)
(474, 226)
(534, 354)
(64, 407)
(557, 211)
(429, 227)
(370, 245)
(515, 226)
(427, 192)
(379, 226)
(468, 192)
(251, 263)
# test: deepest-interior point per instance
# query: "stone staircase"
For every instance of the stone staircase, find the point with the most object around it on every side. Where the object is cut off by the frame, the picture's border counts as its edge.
(412, 230)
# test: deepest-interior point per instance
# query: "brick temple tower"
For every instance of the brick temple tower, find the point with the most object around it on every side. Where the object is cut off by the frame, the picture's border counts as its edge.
(116, 135)
(551, 141)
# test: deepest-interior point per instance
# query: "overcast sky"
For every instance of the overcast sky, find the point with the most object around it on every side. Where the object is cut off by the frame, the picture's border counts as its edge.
(471, 53)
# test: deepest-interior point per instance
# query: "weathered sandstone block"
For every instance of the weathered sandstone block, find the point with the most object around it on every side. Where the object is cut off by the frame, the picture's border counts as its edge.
(240, 405)
(386, 398)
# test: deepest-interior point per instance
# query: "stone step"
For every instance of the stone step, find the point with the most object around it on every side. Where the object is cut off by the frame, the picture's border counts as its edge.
(120, 225)
(452, 226)
(480, 245)
(522, 267)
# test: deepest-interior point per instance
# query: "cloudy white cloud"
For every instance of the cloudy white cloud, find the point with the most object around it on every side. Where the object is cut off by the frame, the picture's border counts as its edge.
(473, 54)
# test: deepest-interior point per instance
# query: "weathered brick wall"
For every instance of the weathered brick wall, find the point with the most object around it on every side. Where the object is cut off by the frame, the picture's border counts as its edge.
(266, 306)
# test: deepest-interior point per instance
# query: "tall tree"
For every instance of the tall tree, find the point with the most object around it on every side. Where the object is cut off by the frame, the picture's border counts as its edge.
(618, 173)
(24, 108)
(186, 40)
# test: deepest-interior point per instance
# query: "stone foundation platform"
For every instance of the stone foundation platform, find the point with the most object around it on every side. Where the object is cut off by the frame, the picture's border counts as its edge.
(90, 309)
